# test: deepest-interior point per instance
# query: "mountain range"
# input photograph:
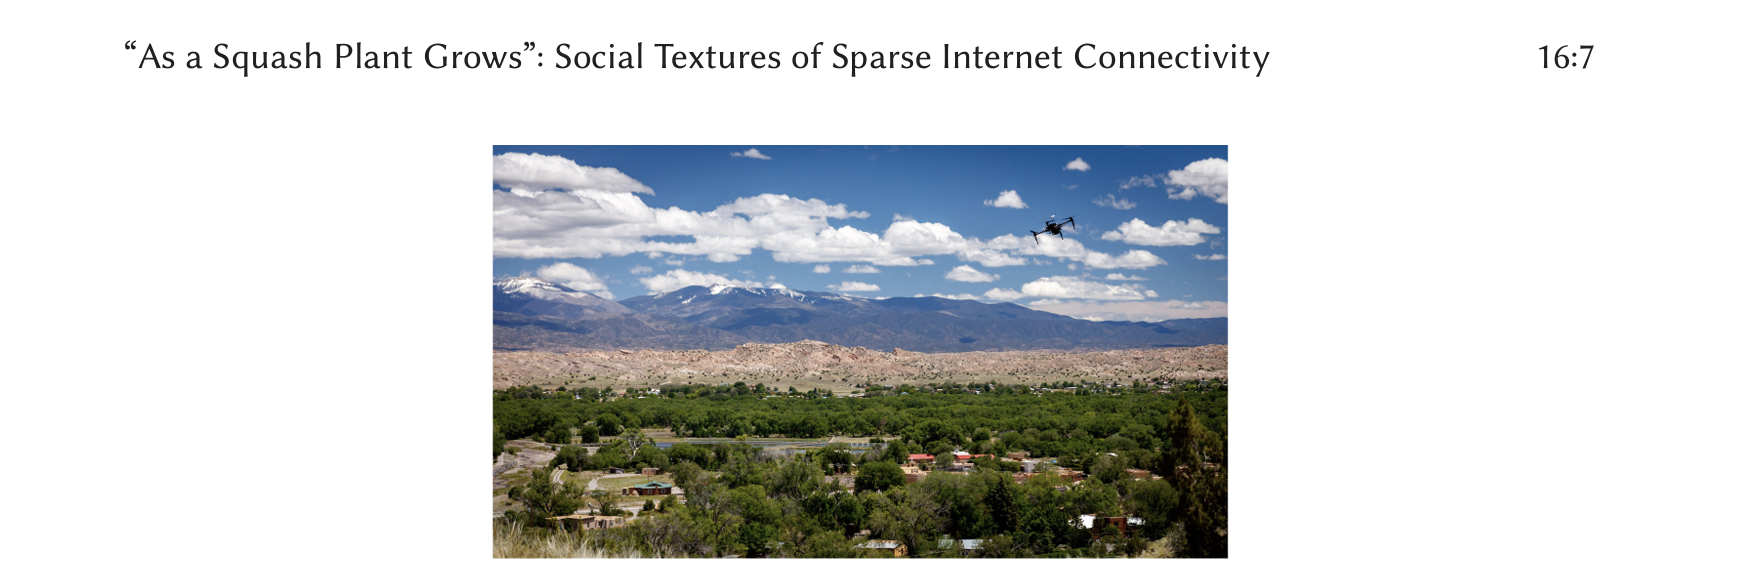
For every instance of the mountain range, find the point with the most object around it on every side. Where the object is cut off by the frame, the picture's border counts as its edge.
(534, 314)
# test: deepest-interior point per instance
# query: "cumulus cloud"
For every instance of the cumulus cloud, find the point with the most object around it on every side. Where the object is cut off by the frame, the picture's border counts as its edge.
(591, 224)
(861, 269)
(1003, 294)
(1150, 311)
(640, 270)
(751, 154)
(1007, 199)
(849, 286)
(526, 174)
(1076, 288)
(575, 277)
(1076, 165)
(1111, 201)
(1171, 233)
(1123, 277)
(967, 274)
(822, 268)
(676, 279)
(991, 258)
(586, 221)
(1135, 259)
(1208, 178)
(1142, 181)
(1211, 257)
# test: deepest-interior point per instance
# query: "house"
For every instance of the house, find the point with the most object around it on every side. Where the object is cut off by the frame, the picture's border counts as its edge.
(963, 545)
(1138, 473)
(914, 477)
(614, 470)
(579, 522)
(898, 549)
(915, 458)
(1127, 526)
(650, 472)
(651, 488)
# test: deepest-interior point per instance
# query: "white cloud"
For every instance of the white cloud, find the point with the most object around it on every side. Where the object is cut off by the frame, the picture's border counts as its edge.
(861, 269)
(1111, 201)
(1151, 311)
(1076, 288)
(574, 277)
(1007, 199)
(959, 296)
(1077, 165)
(822, 269)
(1123, 277)
(1172, 233)
(1208, 178)
(1135, 259)
(991, 258)
(967, 274)
(676, 279)
(526, 174)
(640, 270)
(1141, 181)
(1003, 294)
(1211, 257)
(849, 286)
(592, 223)
(751, 154)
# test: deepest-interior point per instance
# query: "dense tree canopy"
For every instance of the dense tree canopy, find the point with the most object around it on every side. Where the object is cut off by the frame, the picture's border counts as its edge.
(742, 500)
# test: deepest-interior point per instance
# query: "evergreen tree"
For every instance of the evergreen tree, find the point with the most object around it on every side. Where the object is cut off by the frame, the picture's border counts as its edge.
(1194, 463)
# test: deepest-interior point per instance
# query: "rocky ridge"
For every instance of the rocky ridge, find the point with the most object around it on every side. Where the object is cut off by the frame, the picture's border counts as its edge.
(815, 363)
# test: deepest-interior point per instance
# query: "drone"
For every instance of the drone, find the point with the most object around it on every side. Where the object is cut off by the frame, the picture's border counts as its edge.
(1054, 227)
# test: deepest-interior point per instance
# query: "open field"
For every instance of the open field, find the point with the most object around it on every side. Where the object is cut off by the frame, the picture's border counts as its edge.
(808, 364)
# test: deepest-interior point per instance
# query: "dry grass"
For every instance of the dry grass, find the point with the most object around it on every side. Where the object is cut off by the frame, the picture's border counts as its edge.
(512, 540)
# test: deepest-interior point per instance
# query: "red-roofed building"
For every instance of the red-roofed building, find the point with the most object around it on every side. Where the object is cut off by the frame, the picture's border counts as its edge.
(921, 458)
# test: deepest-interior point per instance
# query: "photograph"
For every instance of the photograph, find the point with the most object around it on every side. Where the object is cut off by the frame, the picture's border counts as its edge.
(860, 351)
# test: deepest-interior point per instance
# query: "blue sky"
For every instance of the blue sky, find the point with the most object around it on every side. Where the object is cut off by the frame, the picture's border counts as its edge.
(620, 221)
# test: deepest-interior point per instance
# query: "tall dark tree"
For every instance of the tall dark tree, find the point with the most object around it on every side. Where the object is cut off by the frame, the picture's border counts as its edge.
(1195, 463)
(1003, 500)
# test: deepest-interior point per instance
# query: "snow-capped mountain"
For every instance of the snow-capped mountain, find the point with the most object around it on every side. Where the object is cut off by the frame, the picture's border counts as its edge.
(534, 296)
(536, 314)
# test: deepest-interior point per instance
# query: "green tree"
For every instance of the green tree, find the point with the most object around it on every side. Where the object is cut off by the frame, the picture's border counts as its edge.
(1156, 503)
(1195, 462)
(558, 434)
(911, 516)
(826, 544)
(500, 443)
(589, 434)
(609, 424)
(878, 476)
(1003, 501)
(757, 538)
(1107, 469)
(541, 499)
